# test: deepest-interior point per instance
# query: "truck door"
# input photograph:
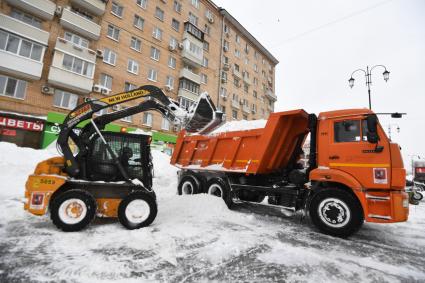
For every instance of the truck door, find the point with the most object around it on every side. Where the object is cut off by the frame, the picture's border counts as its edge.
(350, 151)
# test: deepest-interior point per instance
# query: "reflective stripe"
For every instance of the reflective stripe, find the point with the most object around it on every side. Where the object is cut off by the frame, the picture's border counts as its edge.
(359, 165)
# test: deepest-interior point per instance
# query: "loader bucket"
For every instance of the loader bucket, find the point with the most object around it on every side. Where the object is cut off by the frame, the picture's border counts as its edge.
(203, 116)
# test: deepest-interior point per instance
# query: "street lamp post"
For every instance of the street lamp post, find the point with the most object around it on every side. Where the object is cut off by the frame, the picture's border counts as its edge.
(368, 76)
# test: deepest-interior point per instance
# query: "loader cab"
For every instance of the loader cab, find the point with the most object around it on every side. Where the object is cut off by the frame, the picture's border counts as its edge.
(133, 151)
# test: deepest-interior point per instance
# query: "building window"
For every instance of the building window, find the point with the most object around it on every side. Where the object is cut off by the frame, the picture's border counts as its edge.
(177, 7)
(117, 9)
(129, 86)
(170, 82)
(207, 29)
(255, 81)
(12, 87)
(26, 18)
(234, 114)
(133, 66)
(193, 19)
(153, 75)
(236, 82)
(206, 46)
(225, 45)
(185, 103)
(155, 53)
(165, 125)
(245, 88)
(113, 32)
(255, 54)
(19, 46)
(237, 38)
(76, 39)
(127, 118)
(246, 61)
(236, 67)
(157, 33)
(109, 56)
(195, 3)
(106, 81)
(204, 79)
(246, 48)
(172, 62)
(223, 76)
(175, 24)
(64, 99)
(225, 60)
(138, 22)
(135, 43)
(256, 68)
(237, 53)
(173, 42)
(223, 92)
(147, 119)
(159, 14)
(142, 3)
(205, 62)
(254, 94)
(189, 85)
(78, 66)
(254, 108)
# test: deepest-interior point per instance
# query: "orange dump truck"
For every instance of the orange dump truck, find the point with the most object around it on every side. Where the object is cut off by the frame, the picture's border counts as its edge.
(354, 172)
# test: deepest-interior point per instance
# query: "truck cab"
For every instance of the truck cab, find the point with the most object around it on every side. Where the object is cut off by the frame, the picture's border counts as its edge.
(355, 153)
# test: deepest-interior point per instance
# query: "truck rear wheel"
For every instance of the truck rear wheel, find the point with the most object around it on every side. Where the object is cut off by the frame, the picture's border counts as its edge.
(188, 186)
(219, 188)
(137, 210)
(73, 210)
(336, 212)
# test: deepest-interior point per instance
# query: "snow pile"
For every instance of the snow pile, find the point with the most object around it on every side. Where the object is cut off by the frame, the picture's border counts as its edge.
(195, 239)
(241, 125)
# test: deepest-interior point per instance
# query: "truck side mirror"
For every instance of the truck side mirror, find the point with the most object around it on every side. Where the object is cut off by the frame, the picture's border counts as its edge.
(372, 129)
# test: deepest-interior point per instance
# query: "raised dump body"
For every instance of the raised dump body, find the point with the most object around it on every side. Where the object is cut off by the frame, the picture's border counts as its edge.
(255, 151)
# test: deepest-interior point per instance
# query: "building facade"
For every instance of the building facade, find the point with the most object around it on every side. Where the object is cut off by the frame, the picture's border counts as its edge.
(56, 54)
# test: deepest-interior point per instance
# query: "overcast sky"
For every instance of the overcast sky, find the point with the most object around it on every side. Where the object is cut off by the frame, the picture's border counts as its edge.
(320, 43)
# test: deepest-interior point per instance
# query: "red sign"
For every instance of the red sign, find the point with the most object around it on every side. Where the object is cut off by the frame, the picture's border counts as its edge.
(21, 124)
(420, 170)
(8, 132)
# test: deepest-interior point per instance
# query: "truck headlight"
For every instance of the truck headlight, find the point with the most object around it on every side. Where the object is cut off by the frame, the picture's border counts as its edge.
(405, 203)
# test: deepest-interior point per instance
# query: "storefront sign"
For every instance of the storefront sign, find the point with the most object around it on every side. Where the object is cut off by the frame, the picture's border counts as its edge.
(21, 124)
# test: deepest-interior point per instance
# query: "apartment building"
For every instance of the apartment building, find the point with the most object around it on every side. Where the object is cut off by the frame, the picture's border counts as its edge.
(56, 54)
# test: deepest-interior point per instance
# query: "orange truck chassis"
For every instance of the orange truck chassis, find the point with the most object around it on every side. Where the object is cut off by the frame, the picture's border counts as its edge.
(354, 172)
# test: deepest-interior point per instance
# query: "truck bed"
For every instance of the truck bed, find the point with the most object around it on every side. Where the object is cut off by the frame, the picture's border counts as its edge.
(254, 151)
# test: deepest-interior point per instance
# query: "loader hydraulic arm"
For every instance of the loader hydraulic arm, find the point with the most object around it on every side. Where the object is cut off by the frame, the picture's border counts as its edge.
(156, 100)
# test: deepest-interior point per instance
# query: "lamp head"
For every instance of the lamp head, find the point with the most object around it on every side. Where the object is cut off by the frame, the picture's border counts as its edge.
(386, 75)
(351, 82)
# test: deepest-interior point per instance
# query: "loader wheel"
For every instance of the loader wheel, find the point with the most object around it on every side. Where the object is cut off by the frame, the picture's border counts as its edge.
(188, 186)
(73, 210)
(336, 212)
(137, 210)
(219, 188)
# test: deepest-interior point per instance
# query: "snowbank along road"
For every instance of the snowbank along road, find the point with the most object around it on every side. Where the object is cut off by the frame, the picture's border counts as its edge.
(195, 238)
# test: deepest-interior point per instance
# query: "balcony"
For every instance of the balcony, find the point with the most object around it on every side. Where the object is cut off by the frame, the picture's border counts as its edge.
(60, 77)
(79, 24)
(270, 95)
(19, 66)
(96, 7)
(25, 30)
(186, 73)
(63, 78)
(246, 80)
(235, 104)
(188, 94)
(70, 48)
(190, 57)
(44, 9)
(236, 73)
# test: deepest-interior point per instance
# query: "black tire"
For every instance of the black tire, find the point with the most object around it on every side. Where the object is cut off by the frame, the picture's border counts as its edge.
(188, 186)
(417, 196)
(336, 212)
(219, 188)
(73, 202)
(134, 201)
(251, 196)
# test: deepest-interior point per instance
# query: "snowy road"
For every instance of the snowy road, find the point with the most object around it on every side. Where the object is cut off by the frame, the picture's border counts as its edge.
(196, 238)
